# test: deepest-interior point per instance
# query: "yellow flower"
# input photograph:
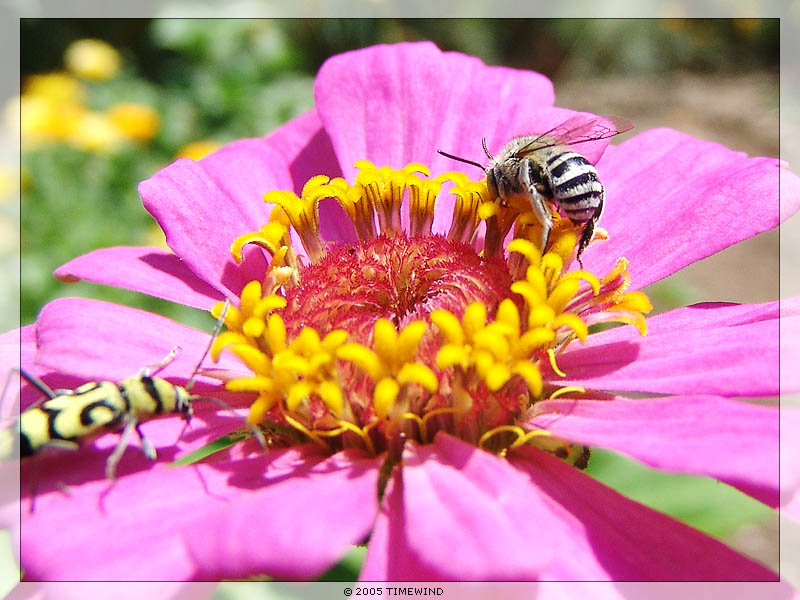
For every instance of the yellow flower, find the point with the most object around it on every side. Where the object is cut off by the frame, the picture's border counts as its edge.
(92, 59)
(95, 133)
(135, 121)
(55, 87)
(197, 150)
(42, 120)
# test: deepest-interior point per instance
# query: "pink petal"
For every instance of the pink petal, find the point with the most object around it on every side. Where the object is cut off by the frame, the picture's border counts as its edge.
(16, 346)
(790, 508)
(150, 271)
(403, 101)
(244, 171)
(789, 337)
(790, 460)
(17, 349)
(134, 529)
(128, 590)
(739, 445)
(292, 527)
(203, 206)
(694, 197)
(307, 149)
(454, 512)
(89, 339)
(705, 349)
(627, 541)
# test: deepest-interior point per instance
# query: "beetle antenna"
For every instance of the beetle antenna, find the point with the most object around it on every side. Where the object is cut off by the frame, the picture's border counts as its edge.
(214, 335)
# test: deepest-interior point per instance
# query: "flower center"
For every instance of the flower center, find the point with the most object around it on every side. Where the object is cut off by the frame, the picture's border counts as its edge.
(405, 332)
(394, 277)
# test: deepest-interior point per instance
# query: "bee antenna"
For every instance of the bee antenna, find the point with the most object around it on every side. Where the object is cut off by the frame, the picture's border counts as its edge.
(459, 159)
(214, 335)
(486, 149)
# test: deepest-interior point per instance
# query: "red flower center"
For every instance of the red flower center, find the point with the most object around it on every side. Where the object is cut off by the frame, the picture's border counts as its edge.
(393, 277)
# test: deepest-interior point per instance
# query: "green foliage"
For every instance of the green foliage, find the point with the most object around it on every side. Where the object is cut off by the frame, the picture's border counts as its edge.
(348, 568)
(702, 502)
(219, 81)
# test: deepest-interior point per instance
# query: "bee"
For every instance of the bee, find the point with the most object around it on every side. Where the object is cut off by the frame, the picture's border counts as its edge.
(545, 171)
(65, 417)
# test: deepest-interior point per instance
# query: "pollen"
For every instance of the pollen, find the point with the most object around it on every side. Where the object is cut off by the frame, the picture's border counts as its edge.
(407, 332)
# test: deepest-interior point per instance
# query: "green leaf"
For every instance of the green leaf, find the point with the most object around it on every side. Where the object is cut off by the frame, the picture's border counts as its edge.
(222, 443)
(703, 502)
(348, 568)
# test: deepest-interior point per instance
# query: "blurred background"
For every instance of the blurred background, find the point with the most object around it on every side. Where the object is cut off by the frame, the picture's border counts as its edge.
(106, 103)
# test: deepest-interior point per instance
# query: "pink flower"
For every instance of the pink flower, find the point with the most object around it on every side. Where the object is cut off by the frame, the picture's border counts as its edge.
(488, 497)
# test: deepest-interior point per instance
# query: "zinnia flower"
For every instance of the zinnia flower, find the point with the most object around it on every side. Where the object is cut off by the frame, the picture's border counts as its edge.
(426, 383)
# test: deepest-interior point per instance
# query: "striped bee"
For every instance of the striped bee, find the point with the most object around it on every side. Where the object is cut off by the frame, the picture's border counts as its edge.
(544, 171)
(65, 417)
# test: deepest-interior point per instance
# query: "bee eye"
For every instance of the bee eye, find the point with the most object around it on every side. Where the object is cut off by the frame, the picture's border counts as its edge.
(491, 182)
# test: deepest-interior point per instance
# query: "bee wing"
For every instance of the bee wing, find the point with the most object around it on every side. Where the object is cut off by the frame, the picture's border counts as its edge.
(578, 130)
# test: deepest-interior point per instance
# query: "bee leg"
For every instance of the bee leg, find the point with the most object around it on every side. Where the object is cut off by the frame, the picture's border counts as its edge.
(588, 230)
(540, 209)
(586, 237)
(539, 204)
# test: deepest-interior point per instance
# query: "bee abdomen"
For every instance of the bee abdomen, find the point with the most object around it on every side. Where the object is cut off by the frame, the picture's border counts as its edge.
(576, 186)
(582, 207)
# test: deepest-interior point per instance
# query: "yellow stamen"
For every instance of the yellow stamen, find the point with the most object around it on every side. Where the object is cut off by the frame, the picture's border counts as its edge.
(345, 426)
(302, 428)
(568, 389)
(525, 438)
(574, 322)
(422, 422)
(392, 364)
(422, 194)
(516, 429)
(587, 277)
(386, 391)
(303, 212)
(418, 373)
(364, 358)
(448, 324)
(527, 249)
(552, 356)
(470, 196)
(531, 375)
